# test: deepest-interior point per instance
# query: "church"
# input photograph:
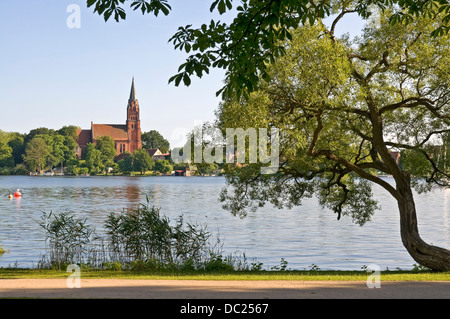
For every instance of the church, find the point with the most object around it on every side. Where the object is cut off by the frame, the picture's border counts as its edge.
(127, 137)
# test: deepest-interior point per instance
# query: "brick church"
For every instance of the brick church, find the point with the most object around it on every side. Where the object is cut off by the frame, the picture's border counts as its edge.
(127, 137)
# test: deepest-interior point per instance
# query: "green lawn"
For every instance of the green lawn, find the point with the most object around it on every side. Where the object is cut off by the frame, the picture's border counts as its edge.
(249, 275)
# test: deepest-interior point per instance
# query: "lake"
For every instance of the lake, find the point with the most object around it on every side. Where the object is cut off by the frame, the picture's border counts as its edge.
(304, 236)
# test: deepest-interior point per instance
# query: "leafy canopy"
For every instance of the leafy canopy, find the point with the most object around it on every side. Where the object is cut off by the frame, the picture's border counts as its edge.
(342, 107)
(251, 41)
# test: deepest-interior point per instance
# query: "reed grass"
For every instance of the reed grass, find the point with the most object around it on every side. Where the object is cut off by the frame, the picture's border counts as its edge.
(141, 239)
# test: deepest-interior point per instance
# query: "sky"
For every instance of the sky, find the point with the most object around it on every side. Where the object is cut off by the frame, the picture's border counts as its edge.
(52, 75)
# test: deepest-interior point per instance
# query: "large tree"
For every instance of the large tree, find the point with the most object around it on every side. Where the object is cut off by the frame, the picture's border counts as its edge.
(154, 139)
(16, 142)
(142, 161)
(106, 145)
(94, 158)
(36, 154)
(341, 106)
(5, 148)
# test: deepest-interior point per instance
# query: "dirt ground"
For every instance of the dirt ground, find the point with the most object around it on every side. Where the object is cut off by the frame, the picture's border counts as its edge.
(192, 289)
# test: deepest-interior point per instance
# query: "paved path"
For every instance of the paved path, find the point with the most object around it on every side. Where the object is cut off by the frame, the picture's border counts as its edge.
(193, 289)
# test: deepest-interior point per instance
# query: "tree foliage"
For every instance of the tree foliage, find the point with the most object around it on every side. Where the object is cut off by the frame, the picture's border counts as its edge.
(107, 148)
(142, 161)
(163, 166)
(36, 154)
(154, 139)
(126, 164)
(247, 45)
(61, 145)
(94, 159)
(342, 106)
(5, 148)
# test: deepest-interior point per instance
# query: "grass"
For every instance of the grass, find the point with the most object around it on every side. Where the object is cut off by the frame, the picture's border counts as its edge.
(321, 275)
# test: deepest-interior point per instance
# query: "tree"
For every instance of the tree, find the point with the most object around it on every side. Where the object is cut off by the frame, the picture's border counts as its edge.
(16, 142)
(163, 166)
(61, 143)
(36, 154)
(94, 159)
(154, 139)
(69, 131)
(338, 130)
(38, 131)
(56, 148)
(106, 145)
(70, 141)
(5, 148)
(69, 149)
(126, 165)
(343, 107)
(142, 161)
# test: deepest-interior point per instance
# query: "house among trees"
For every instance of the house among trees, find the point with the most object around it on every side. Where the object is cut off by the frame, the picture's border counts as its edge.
(127, 137)
(157, 155)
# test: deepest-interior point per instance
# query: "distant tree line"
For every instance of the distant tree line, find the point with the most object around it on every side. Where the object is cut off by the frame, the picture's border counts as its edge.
(44, 149)
(40, 149)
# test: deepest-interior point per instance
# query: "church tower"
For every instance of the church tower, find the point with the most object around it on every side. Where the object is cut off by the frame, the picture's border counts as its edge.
(133, 121)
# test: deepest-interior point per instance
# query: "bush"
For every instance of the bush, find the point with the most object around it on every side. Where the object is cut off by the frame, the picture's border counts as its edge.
(5, 171)
(20, 169)
(218, 263)
(163, 166)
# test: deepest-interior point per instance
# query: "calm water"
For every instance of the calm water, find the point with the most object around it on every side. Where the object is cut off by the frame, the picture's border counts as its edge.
(303, 236)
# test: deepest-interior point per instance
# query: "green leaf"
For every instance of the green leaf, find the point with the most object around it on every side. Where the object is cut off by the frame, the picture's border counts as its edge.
(90, 2)
(178, 79)
(165, 8)
(229, 5)
(222, 7)
(186, 79)
(107, 14)
(213, 5)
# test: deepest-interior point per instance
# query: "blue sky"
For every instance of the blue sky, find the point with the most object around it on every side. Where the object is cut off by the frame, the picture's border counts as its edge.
(52, 75)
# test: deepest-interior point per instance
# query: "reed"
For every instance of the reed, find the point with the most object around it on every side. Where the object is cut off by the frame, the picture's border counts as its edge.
(145, 235)
(67, 238)
(141, 239)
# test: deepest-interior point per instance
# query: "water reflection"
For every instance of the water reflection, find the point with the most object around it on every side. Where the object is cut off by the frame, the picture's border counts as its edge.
(303, 236)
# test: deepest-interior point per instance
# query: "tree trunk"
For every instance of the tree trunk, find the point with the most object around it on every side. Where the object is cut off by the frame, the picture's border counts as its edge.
(435, 258)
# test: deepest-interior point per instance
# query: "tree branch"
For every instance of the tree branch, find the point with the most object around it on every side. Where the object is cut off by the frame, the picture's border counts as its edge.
(352, 167)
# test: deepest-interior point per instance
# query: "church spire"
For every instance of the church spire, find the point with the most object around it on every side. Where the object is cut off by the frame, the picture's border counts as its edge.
(133, 122)
(133, 91)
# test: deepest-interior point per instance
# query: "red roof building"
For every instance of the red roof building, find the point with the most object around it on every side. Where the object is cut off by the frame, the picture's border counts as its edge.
(127, 137)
